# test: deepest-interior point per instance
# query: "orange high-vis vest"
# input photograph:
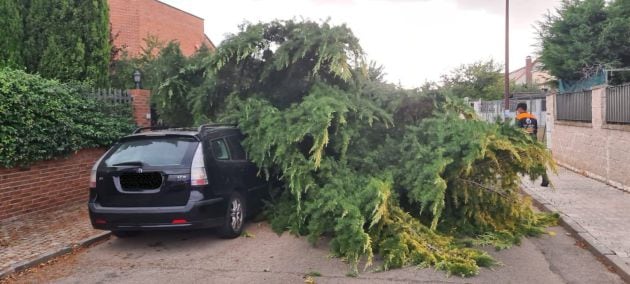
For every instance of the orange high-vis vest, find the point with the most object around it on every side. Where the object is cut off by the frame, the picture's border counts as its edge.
(528, 122)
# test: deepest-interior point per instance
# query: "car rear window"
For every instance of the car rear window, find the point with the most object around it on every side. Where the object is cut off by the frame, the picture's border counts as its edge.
(154, 151)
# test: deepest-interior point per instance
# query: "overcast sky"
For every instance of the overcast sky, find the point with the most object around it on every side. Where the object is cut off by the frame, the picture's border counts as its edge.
(416, 40)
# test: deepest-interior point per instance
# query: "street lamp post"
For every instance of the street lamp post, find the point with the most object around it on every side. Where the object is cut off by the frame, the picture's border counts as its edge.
(137, 76)
(506, 91)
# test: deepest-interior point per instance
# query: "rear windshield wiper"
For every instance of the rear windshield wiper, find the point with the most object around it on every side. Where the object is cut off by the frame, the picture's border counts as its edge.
(130, 163)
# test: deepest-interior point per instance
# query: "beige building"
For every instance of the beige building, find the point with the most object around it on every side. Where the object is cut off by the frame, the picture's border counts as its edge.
(531, 74)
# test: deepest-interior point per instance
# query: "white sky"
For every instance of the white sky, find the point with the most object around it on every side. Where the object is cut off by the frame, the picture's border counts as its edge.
(416, 40)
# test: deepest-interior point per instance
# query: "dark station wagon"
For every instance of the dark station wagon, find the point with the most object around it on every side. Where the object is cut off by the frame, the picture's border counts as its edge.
(175, 178)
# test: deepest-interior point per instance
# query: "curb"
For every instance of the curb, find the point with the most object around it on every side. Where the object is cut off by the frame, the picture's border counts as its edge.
(51, 254)
(607, 256)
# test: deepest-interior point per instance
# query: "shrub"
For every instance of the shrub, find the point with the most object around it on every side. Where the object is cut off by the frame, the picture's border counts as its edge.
(42, 118)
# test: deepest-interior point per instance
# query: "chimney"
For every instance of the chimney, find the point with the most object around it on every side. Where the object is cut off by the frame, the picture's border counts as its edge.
(529, 68)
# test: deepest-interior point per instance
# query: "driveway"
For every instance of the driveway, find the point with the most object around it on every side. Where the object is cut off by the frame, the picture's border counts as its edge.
(265, 257)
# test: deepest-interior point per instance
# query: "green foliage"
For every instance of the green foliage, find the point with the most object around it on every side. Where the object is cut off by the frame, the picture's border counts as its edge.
(180, 86)
(479, 80)
(314, 274)
(122, 68)
(93, 19)
(66, 39)
(171, 103)
(405, 174)
(584, 35)
(11, 34)
(41, 119)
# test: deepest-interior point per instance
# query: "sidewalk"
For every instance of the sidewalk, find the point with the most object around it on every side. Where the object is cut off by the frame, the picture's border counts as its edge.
(25, 241)
(598, 213)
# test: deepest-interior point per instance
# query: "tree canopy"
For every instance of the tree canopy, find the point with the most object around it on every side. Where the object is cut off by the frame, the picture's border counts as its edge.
(583, 36)
(66, 39)
(410, 175)
(11, 34)
(479, 80)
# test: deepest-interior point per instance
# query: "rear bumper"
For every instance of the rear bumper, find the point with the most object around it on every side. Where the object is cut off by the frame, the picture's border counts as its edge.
(196, 214)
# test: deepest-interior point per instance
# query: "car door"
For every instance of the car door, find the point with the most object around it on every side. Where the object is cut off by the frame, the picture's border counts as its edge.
(255, 184)
(248, 168)
(226, 173)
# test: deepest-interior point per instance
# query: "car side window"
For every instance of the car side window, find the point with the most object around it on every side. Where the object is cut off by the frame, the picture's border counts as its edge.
(220, 150)
(238, 153)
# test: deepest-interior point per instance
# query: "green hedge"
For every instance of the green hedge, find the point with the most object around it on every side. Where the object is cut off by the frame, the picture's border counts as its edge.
(41, 119)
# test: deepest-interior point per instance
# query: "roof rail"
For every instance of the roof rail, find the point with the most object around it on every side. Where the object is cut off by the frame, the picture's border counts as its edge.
(203, 126)
(199, 129)
(140, 129)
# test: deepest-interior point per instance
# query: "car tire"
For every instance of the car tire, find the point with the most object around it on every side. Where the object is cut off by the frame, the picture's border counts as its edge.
(234, 218)
(125, 234)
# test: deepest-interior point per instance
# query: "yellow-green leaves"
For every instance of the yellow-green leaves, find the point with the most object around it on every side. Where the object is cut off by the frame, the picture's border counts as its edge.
(407, 192)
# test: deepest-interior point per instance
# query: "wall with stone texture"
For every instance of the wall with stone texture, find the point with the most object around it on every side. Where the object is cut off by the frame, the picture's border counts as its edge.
(596, 149)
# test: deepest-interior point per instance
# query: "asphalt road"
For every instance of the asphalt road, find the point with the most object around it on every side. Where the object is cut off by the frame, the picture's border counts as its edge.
(199, 256)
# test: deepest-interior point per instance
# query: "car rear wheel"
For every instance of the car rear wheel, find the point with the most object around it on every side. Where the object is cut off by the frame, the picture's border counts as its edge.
(234, 218)
(125, 234)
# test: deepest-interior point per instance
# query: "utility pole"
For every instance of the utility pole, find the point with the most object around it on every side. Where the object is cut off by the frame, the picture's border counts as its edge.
(506, 94)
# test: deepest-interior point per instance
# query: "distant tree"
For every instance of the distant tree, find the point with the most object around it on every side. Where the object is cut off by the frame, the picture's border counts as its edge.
(124, 64)
(93, 22)
(10, 33)
(67, 39)
(616, 34)
(573, 39)
(479, 80)
(171, 103)
(35, 27)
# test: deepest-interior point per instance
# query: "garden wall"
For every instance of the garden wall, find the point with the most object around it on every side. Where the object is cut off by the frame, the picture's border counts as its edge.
(46, 185)
(53, 184)
(596, 149)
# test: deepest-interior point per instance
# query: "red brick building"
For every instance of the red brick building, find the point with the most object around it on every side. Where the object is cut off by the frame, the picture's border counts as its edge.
(134, 20)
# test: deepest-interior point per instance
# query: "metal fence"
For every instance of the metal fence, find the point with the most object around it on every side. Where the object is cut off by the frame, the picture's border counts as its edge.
(618, 104)
(575, 106)
(115, 96)
(493, 110)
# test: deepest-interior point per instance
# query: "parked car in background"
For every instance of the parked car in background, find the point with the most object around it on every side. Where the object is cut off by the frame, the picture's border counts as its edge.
(173, 178)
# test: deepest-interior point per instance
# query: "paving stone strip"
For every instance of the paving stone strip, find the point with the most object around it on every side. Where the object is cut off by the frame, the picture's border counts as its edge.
(35, 238)
(596, 212)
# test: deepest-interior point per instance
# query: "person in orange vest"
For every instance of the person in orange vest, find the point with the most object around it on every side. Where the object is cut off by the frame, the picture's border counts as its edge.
(528, 122)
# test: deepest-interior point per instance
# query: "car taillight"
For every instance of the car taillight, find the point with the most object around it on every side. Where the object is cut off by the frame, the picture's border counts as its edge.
(93, 179)
(94, 171)
(198, 170)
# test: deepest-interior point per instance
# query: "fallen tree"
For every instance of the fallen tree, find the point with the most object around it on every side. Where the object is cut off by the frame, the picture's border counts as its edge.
(409, 175)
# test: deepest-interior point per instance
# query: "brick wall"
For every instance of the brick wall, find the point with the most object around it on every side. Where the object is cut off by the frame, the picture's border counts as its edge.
(141, 106)
(596, 149)
(46, 185)
(135, 20)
